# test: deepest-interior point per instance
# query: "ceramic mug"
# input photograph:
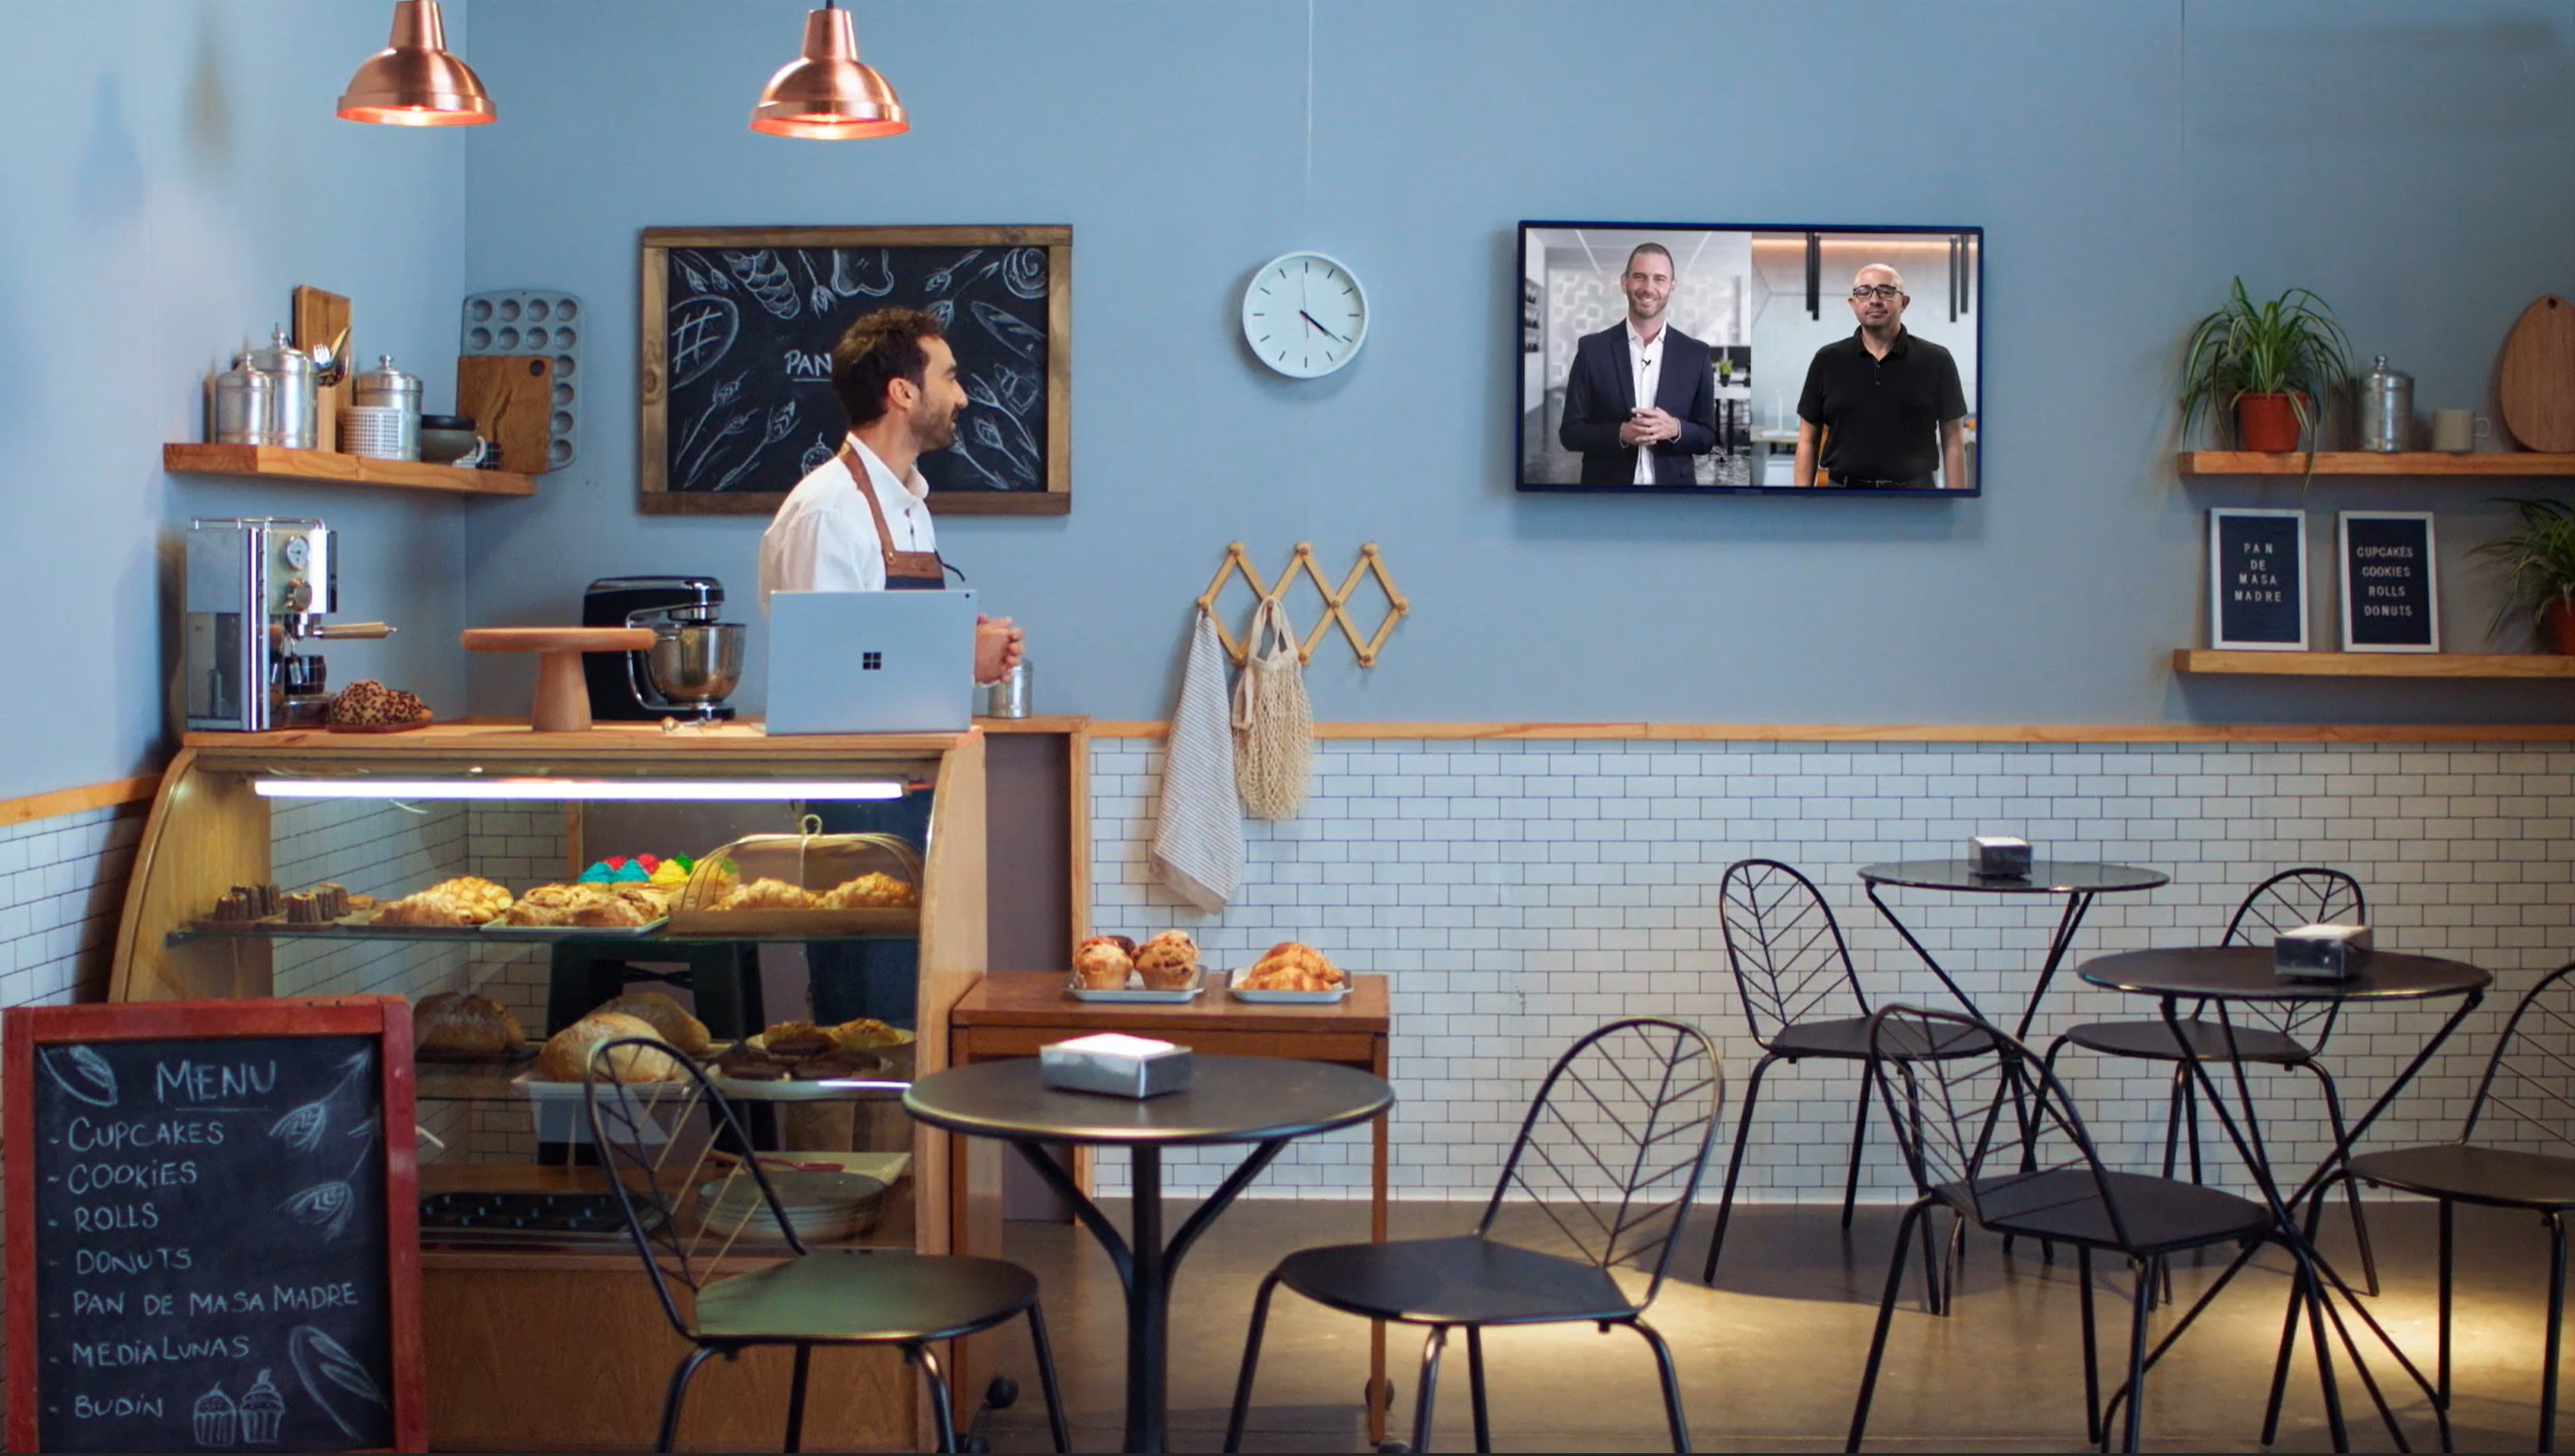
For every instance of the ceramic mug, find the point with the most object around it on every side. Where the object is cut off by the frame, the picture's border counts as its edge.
(2458, 430)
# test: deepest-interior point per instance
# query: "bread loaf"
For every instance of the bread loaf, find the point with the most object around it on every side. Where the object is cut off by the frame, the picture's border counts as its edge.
(566, 1055)
(461, 1023)
(669, 1019)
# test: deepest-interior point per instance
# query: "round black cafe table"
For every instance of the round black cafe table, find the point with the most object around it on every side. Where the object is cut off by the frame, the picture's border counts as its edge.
(1265, 1102)
(2079, 881)
(2219, 980)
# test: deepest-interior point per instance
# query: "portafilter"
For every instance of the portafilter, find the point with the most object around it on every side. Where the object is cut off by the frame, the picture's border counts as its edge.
(695, 664)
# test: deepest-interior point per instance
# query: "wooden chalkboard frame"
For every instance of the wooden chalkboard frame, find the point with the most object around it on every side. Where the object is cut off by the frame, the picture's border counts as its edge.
(24, 1029)
(654, 494)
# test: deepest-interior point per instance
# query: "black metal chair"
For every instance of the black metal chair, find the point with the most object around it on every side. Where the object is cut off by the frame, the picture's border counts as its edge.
(662, 1143)
(2531, 1083)
(1607, 1161)
(1955, 1115)
(2287, 1034)
(1794, 973)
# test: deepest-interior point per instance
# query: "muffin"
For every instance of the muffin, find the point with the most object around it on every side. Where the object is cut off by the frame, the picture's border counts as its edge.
(1101, 964)
(1169, 961)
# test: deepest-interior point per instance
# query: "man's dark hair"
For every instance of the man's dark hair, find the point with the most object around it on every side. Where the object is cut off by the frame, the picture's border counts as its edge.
(1650, 248)
(879, 349)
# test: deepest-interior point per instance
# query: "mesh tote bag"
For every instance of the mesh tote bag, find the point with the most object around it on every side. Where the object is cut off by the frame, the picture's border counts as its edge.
(1274, 731)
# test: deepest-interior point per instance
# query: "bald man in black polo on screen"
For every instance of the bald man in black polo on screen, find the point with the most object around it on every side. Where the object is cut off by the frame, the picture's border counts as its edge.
(1882, 408)
(1641, 400)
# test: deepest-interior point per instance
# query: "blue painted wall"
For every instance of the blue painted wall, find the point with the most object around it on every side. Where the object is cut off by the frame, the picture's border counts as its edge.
(171, 171)
(2415, 163)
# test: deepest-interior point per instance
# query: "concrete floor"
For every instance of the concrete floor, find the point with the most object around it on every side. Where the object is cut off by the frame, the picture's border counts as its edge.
(1770, 1359)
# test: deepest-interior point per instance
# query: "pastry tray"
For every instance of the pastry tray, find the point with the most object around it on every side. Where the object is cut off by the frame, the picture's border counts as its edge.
(1136, 996)
(574, 932)
(494, 1217)
(1291, 998)
(364, 922)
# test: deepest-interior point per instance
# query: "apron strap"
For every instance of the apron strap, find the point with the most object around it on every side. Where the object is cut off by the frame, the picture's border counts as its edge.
(909, 567)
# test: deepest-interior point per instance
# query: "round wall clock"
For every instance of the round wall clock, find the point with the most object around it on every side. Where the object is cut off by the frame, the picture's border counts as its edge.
(1305, 315)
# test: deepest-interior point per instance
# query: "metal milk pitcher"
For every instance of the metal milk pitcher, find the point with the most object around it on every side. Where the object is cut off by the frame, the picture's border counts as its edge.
(2386, 409)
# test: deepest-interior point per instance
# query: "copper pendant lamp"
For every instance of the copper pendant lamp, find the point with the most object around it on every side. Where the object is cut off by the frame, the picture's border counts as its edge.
(414, 80)
(827, 93)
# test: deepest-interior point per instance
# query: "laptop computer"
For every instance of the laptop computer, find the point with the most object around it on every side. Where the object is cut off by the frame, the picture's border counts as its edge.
(871, 662)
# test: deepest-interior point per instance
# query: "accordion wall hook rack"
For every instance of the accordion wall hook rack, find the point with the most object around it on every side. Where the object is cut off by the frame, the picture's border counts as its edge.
(1336, 600)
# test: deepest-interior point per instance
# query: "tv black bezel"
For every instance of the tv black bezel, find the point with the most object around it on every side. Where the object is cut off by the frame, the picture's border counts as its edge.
(1975, 411)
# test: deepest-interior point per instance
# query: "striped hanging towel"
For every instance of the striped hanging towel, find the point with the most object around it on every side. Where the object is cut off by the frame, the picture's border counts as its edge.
(1197, 834)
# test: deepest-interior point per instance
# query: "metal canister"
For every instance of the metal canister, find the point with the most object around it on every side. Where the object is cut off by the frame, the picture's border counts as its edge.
(242, 411)
(292, 400)
(1010, 695)
(386, 387)
(2386, 409)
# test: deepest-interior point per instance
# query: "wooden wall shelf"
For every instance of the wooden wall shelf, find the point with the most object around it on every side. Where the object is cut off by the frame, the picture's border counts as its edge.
(2489, 464)
(2376, 665)
(270, 461)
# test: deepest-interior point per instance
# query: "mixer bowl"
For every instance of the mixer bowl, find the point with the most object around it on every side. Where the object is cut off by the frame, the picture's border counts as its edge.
(695, 665)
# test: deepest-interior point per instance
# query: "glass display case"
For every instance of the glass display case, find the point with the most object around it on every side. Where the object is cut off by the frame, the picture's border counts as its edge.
(314, 864)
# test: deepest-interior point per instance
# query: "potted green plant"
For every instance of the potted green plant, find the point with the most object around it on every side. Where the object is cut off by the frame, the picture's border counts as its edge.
(2539, 564)
(2268, 364)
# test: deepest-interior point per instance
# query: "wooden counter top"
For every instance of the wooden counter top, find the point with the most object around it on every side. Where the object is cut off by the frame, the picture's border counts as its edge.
(1037, 998)
(483, 736)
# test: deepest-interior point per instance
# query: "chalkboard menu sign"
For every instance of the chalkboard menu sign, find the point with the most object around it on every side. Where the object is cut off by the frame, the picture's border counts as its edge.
(739, 324)
(213, 1218)
(2391, 600)
(2257, 579)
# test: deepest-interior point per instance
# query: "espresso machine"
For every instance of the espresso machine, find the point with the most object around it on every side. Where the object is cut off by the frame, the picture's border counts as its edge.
(256, 594)
(694, 659)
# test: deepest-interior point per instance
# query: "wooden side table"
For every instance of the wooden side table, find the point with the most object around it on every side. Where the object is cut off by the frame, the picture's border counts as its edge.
(1011, 1013)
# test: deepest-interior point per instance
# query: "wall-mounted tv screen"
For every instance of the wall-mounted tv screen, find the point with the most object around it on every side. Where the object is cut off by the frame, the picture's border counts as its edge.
(1714, 358)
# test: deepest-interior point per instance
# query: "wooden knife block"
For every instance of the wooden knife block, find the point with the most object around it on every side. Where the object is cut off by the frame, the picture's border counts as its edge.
(511, 400)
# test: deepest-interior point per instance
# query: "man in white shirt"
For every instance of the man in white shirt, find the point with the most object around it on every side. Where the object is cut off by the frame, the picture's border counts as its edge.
(861, 523)
(897, 381)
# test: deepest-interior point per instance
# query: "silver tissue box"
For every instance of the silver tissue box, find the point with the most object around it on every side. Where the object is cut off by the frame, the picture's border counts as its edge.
(1997, 855)
(2321, 953)
(1116, 1065)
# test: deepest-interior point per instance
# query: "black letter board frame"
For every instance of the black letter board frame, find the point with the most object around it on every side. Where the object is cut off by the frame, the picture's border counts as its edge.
(2417, 580)
(2279, 627)
(780, 285)
(385, 1019)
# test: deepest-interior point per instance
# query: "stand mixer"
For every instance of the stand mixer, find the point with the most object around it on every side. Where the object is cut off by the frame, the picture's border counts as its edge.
(694, 659)
(256, 594)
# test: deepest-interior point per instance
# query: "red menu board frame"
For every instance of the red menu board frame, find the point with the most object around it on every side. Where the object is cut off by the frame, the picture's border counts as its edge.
(388, 1018)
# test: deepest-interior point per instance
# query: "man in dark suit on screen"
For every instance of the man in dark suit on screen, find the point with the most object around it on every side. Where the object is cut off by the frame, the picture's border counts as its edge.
(1641, 399)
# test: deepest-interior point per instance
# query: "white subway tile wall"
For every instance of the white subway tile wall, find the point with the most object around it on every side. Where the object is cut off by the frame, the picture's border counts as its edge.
(1518, 893)
(62, 888)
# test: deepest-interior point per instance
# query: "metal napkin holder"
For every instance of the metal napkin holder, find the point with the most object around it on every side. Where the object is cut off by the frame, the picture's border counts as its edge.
(2321, 953)
(1115, 1064)
(1998, 856)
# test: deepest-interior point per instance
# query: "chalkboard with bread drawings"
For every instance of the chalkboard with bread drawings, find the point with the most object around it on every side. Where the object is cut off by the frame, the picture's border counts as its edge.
(738, 327)
(213, 1210)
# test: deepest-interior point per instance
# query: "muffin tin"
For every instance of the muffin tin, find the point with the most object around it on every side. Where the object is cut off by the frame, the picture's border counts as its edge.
(534, 323)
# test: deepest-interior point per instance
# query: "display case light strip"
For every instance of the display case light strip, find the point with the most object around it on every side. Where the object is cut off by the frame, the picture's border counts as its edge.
(729, 791)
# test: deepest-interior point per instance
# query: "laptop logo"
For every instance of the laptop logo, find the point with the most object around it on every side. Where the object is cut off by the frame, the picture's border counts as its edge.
(871, 662)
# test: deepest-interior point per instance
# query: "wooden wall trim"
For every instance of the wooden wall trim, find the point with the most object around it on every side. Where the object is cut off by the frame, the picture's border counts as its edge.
(2164, 733)
(78, 800)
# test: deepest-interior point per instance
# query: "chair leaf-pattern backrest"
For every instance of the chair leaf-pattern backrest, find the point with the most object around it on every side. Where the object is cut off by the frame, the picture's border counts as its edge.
(2528, 1093)
(1961, 1093)
(2286, 901)
(1607, 1160)
(1787, 949)
(675, 1153)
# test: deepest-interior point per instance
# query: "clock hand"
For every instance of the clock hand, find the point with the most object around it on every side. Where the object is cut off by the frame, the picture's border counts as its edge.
(1326, 333)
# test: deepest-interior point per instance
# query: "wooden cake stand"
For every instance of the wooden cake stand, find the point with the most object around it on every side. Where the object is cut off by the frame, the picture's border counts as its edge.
(563, 697)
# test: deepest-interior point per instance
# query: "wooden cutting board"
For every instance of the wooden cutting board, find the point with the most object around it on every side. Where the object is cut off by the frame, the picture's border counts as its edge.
(511, 400)
(323, 319)
(2537, 380)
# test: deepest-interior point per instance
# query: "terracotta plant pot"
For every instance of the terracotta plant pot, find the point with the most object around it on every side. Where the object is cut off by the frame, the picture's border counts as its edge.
(2267, 423)
(2560, 627)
